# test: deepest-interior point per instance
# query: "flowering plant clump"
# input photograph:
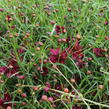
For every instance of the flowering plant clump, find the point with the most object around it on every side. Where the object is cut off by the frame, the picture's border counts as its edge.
(54, 54)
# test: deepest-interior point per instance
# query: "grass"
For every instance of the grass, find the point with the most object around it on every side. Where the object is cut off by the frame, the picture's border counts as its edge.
(54, 54)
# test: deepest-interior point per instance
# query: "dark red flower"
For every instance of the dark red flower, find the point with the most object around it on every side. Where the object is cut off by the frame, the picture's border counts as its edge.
(3, 69)
(11, 69)
(68, 40)
(60, 29)
(77, 47)
(21, 50)
(45, 71)
(94, 93)
(54, 55)
(13, 27)
(48, 86)
(54, 58)
(63, 57)
(77, 55)
(7, 98)
(80, 63)
(98, 51)
(58, 56)
(9, 18)
(58, 87)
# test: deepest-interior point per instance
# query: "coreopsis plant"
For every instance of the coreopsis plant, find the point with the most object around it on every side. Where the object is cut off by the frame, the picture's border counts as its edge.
(54, 54)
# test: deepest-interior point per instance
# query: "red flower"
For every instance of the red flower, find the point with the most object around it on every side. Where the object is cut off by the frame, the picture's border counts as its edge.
(7, 98)
(11, 69)
(63, 57)
(68, 40)
(21, 50)
(45, 71)
(3, 69)
(77, 54)
(77, 47)
(8, 18)
(98, 51)
(54, 55)
(80, 63)
(60, 29)
(55, 52)
(48, 86)
(58, 56)
(53, 58)
(58, 87)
